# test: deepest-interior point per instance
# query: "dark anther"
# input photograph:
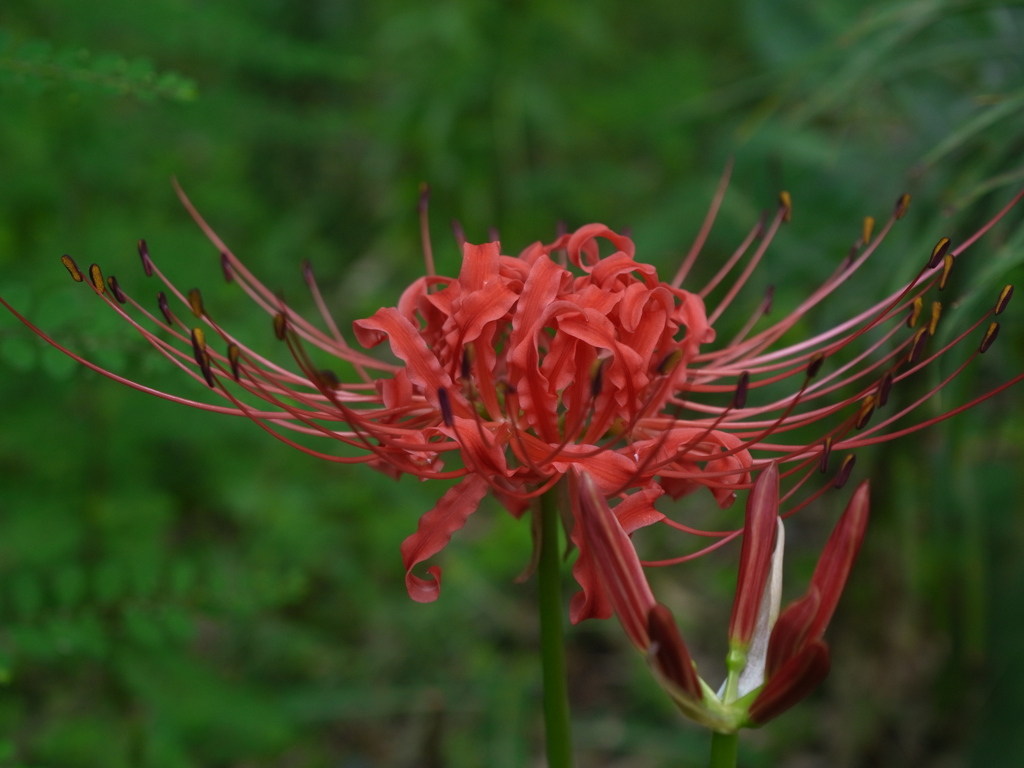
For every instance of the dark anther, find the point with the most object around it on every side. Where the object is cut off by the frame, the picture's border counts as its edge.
(990, 337)
(867, 407)
(201, 355)
(70, 266)
(446, 407)
(147, 263)
(947, 265)
(195, 300)
(327, 379)
(466, 368)
(670, 361)
(493, 235)
(226, 268)
(769, 296)
(459, 233)
(915, 312)
(917, 347)
(885, 387)
(280, 326)
(815, 365)
(1004, 298)
(826, 453)
(901, 206)
(851, 256)
(867, 229)
(787, 205)
(597, 380)
(424, 200)
(844, 471)
(938, 253)
(115, 289)
(96, 276)
(739, 397)
(936, 314)
(233, 353)
(307, 272)
(161, 300)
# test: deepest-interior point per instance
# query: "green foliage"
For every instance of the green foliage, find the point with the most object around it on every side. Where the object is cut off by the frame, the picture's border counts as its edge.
(177, 589)
(35, 64)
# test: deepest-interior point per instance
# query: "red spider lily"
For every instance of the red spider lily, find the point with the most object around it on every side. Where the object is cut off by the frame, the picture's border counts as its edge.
(772, 664)
(562, 358)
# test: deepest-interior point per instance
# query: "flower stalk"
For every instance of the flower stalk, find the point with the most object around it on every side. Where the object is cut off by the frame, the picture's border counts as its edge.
(557, 726)
(723, 750)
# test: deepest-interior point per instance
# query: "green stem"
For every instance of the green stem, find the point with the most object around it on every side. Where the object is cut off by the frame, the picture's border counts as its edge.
(556, 693)
(723, 750)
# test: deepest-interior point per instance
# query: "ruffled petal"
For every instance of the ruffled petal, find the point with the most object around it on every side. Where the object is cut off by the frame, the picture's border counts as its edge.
(422, 366)
(435, 530)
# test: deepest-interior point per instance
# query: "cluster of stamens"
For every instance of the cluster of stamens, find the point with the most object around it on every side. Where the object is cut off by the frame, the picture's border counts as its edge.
(631, 404)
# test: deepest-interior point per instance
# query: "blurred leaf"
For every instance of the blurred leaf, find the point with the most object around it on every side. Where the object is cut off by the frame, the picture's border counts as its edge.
(36, 62)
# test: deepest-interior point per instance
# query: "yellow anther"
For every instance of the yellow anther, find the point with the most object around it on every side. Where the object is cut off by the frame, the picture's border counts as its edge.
(990, 337)
(938, 252)
(936, 314)
(869, 227)
(787, 205)
(867, 407)
(233, 353)
(915, 313)
(947, 265)
(96, 276)
(195, 300)
(901, 206)
(69, 264)
(1004, 299)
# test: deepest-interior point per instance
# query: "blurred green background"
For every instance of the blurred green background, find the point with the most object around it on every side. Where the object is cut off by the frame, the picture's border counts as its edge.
(178, 589)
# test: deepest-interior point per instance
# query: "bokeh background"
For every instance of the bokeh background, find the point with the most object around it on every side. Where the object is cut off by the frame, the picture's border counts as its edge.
(178, 589)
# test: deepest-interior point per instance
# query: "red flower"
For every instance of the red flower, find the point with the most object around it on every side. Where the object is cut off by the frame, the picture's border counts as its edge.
(525, 367)
(772, 664)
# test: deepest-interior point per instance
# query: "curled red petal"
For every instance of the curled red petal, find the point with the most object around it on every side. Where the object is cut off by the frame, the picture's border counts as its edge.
(421, 364)
(435, 530)
(797, 678)
(759, 531)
